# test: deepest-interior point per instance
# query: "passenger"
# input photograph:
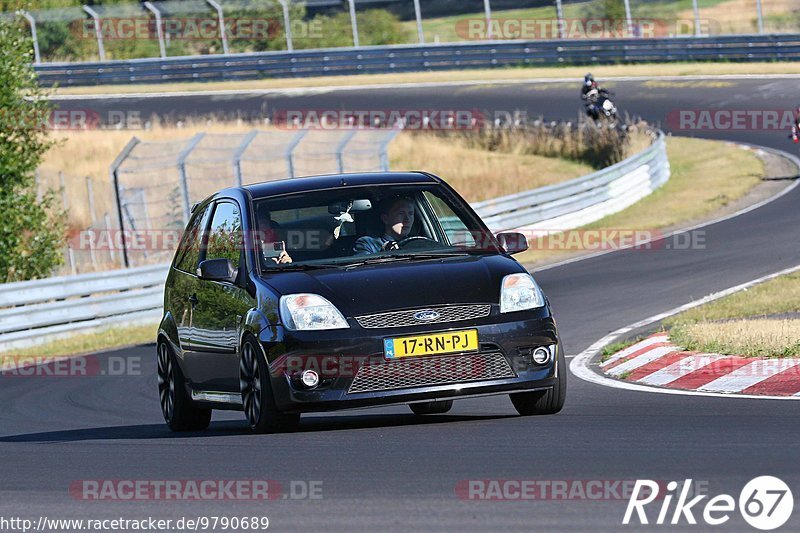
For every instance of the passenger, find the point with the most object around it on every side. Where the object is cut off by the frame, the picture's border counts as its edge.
(268, 232)
(397, 215)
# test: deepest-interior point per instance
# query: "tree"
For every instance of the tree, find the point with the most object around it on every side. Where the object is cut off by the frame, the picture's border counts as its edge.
(31, 230)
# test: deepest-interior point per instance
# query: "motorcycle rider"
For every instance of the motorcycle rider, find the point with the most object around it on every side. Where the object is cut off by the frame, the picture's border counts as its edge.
(796, 126)
(593, 95)
(590, 88)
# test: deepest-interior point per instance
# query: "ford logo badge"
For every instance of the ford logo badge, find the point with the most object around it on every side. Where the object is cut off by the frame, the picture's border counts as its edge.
(426, 316)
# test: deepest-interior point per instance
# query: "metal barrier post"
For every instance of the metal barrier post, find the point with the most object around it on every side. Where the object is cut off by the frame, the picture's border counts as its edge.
(287, 25)
(290, 150)
(696, 8)
(353, 22)
(384, 149)
(487, 8)
(159, 30)
(340, 149)
(113, 171)
(237, 156)
(187, 206)
(760, 17)
(37, 58)
(628, 19)
(560, 17)
(90, 196)
(98, 32)
(221, 17)
(418, 15)
(112, 255)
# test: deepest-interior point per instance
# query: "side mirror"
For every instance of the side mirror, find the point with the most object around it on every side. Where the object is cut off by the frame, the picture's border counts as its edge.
(217, 270)
(513, 243)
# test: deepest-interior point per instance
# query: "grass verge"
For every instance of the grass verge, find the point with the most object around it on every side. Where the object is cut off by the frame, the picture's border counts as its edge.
(747, 323)
(706, 176)
(83, 343)
(763, 337)
(487, 75)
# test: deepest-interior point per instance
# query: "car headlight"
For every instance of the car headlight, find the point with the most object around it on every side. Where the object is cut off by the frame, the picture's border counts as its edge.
(520, 292)
(310, 312)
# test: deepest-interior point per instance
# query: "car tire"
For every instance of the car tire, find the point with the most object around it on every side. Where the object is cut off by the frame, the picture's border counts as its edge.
(179, 412)
(431, 408)
(545, 402)
(257, 399)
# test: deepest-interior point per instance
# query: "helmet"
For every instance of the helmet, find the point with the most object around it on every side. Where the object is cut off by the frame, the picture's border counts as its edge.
(588, 79)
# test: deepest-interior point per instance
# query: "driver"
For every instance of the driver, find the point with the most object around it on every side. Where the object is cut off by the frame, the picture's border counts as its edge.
(397, 215)
(270, 231)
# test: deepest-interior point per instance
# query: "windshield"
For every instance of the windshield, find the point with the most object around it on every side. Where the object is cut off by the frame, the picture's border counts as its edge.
(360, 225)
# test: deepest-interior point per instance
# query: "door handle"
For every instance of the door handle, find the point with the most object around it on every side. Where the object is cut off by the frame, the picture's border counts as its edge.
(193, 300)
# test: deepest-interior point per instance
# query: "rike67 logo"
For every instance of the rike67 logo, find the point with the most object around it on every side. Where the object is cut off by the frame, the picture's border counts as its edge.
(765, 503)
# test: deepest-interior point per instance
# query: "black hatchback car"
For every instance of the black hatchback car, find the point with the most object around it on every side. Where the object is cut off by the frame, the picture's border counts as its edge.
(353, 290)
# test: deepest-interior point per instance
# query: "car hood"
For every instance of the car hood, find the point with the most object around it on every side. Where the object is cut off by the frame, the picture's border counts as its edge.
(405, 284)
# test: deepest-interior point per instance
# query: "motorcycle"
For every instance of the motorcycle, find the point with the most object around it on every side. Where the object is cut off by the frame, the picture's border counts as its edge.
(599, 104)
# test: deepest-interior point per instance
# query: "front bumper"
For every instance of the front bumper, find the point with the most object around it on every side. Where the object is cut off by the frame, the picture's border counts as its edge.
(354, 372)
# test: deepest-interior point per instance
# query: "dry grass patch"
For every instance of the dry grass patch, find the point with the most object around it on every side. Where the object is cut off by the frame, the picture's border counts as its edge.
(751, 338)
(480, 174)
(476, 173)
(706, 175)
(83, 343)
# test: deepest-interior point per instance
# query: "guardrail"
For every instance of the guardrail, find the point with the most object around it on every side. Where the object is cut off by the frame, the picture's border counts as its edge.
(583, 200)
(46, 309)
(35, 311)
(404, 58)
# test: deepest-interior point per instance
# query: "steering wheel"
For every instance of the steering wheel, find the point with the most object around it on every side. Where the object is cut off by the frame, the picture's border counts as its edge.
(417, 242)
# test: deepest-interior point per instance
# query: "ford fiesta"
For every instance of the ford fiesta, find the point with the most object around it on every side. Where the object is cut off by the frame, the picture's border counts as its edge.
(353, 290)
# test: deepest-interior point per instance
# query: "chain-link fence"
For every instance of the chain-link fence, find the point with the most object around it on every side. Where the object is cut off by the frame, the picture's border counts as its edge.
(90, 204)
(158, 182)
(171, 28)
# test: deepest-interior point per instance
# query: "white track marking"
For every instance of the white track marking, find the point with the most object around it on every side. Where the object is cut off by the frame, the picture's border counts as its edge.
(681, 368)
(635, 347)
(579, 365)
(641, 360)
(749, 375)
(302, 91)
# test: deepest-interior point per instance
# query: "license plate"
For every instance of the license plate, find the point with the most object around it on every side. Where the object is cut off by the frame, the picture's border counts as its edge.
(434, 344)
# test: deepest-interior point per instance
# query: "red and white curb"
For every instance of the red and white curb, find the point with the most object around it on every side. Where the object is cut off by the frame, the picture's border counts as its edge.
(656, 361)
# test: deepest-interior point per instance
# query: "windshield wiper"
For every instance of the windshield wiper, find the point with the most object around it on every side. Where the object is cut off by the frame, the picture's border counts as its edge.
(370, 260)
(300, 266)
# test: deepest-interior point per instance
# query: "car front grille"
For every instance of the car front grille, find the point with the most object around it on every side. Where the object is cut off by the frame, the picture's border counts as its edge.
(399, 319)
(432, 371)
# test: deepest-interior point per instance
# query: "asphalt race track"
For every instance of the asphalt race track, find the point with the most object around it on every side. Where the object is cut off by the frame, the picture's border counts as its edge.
(385, 468)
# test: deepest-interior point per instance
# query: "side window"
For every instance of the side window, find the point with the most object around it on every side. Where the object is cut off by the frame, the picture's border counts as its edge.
(188, 254)
(225, 234)
(454, 228)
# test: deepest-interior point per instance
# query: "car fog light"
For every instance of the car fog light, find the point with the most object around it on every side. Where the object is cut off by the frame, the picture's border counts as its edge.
(541, 355)
(309, 378)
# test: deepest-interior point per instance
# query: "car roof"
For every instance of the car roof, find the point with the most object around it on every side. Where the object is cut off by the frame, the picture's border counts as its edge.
(332, 181)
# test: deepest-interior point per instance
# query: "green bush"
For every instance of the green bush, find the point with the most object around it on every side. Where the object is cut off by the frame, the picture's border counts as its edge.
(31, 230)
